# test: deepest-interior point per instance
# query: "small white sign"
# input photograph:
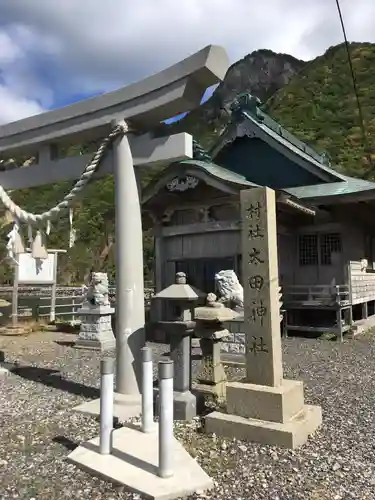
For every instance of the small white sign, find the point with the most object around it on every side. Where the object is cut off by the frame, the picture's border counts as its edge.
(36, 271)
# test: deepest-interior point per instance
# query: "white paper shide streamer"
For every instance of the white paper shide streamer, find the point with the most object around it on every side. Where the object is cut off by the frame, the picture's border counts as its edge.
(72, 231)
(38, 247)
(15, 244)
(30, 234)
(38, 243)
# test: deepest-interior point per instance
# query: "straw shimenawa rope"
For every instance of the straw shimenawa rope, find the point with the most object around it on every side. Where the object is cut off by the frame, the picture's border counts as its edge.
(29, 218)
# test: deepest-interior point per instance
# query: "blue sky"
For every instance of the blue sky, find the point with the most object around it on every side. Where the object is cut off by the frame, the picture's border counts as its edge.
(56, 52)
(205, 98)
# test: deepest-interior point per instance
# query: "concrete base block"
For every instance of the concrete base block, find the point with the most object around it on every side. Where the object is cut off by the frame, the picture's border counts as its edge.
(133, 463)
(275, 404)
(286, 435)
(184, 404)
(214, 392)
(124, 407)
(96, 345)
(3, 371)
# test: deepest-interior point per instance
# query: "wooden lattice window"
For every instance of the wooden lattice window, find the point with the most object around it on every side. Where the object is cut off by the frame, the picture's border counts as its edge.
(308, 250)
(329, 244)
(317, 249)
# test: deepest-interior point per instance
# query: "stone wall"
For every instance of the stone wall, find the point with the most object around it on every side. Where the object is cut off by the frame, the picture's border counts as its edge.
(235, 343)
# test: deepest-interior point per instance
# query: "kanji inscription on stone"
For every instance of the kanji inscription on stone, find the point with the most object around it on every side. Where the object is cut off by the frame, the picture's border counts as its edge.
(254, 256)
(253, 211)
(257, 345)
(258, 312)
(255, 232)
(256, 282)
(261, 288)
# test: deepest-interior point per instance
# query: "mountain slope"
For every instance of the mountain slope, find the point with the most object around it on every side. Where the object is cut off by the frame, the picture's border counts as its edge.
(319, 106)
(314, 100)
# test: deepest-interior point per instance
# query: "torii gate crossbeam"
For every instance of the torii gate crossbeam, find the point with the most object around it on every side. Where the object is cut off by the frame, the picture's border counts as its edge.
(142, 105)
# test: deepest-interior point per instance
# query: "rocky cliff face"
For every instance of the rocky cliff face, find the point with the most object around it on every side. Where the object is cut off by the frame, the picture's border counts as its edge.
(260, 73)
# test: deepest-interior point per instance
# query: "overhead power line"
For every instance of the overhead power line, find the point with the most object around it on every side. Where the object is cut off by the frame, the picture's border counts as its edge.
(355, 86)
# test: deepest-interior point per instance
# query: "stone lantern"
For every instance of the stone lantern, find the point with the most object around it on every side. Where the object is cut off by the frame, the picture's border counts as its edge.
(209, 328)
(181, 299)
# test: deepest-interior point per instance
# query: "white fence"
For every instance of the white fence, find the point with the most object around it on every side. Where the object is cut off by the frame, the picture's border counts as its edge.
(58, 310)
(68, 301)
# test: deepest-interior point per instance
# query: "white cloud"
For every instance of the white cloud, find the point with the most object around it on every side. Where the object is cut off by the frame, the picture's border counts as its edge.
(53, 50)
(13, 106)
(9, 51)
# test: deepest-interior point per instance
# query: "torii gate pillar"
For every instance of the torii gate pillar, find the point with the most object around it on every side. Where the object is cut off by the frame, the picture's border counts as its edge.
(130, 311)
(143, 105)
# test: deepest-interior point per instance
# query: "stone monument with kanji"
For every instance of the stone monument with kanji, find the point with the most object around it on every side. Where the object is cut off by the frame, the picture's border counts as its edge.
(264, 407)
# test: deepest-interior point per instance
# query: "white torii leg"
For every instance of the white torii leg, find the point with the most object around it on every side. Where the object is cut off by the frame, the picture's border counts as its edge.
(130, 310)
(130, 313)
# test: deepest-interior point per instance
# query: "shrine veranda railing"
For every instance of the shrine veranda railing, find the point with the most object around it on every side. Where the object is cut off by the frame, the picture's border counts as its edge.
(324, 295)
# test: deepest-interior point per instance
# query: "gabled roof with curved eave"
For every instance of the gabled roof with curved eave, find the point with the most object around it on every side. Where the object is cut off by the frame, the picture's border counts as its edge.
(210, 170)
(195, 167)
(221, 173)
(246, 109)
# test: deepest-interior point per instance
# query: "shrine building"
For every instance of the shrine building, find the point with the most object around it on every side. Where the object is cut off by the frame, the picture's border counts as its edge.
(326, 233)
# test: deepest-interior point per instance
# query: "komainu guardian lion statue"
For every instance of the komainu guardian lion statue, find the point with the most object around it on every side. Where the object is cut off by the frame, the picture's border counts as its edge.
(97, 291)
(229, 288)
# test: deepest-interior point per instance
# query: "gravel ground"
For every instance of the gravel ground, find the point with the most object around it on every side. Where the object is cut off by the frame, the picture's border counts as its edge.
(38, 427)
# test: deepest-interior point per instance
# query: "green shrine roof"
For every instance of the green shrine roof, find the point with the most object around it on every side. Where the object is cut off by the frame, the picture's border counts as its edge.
(349, 186)
(219, 172)
(203, 160)
(247, 107)
(209, 168)
(286, 139)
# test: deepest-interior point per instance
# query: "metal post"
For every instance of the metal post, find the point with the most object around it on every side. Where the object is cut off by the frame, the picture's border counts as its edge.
(106, 404)
(37, 312)
(130, 317)
(15, 293)
(165, 468)
(73, 310)
(52, 313)
(147, 390)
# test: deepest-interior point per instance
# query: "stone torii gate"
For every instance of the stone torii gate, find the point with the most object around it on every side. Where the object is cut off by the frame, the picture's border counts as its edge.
(141, 107)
